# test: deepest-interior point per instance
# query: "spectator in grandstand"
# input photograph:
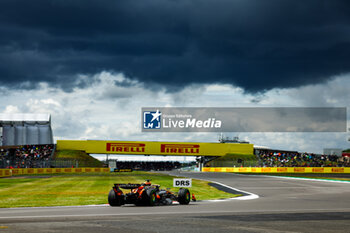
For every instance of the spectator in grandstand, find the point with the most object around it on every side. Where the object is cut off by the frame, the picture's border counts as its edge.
(294, 159)
(25, 156)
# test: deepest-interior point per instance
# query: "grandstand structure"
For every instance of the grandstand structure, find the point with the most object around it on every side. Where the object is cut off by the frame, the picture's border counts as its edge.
(25, 129)
(333, 151)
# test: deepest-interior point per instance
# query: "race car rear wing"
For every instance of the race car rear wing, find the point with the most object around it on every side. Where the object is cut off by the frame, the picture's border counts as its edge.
(127, 186)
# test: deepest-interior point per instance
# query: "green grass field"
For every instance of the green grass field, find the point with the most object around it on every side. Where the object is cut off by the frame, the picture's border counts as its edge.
(83, 159)
(84, 189)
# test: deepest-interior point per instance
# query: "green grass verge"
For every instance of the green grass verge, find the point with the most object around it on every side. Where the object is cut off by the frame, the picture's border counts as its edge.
(84, 159)
(85, 189)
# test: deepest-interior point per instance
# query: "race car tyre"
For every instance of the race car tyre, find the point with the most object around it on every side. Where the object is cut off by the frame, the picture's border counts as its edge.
(184, 197)
(150, 198)
(114, 199)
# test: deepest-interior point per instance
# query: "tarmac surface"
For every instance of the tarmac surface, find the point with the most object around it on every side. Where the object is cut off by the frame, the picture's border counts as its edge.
(283, 205)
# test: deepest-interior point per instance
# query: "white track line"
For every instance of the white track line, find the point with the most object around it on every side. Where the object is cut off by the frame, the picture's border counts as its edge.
(308, 179)
(171, 213)
(250, 196)
(57, 207)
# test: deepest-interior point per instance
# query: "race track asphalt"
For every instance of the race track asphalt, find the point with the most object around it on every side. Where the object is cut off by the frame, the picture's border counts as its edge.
(284, 205)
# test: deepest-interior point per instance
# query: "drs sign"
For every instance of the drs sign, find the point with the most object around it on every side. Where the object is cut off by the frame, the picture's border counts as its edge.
(187, 183)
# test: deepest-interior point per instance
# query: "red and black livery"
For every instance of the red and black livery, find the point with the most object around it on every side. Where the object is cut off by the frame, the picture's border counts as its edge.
(146, 194)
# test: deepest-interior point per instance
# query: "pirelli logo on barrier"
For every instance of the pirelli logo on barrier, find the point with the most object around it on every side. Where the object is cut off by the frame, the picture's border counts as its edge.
(125, 147)
(266, 169)
(179, 148)
(282, 169)
(299, 169)
(338, 170)
(318, 169)
(345, 170)
(19, 171)
(123, 170)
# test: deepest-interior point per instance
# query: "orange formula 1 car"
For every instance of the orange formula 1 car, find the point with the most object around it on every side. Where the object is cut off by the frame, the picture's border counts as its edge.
(146, 194)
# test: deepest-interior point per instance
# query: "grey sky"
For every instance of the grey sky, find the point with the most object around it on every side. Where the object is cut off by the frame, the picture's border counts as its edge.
(93, 64)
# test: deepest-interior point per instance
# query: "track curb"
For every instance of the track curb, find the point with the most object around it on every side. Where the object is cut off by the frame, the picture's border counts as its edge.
(246, 195)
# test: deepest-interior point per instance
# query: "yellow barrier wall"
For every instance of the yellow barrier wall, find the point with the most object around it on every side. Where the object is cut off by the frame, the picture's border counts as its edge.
(29, 171)
(278, 169)
(155, 148)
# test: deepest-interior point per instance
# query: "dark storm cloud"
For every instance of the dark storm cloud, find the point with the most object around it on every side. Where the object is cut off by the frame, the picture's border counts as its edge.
(255, 44)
